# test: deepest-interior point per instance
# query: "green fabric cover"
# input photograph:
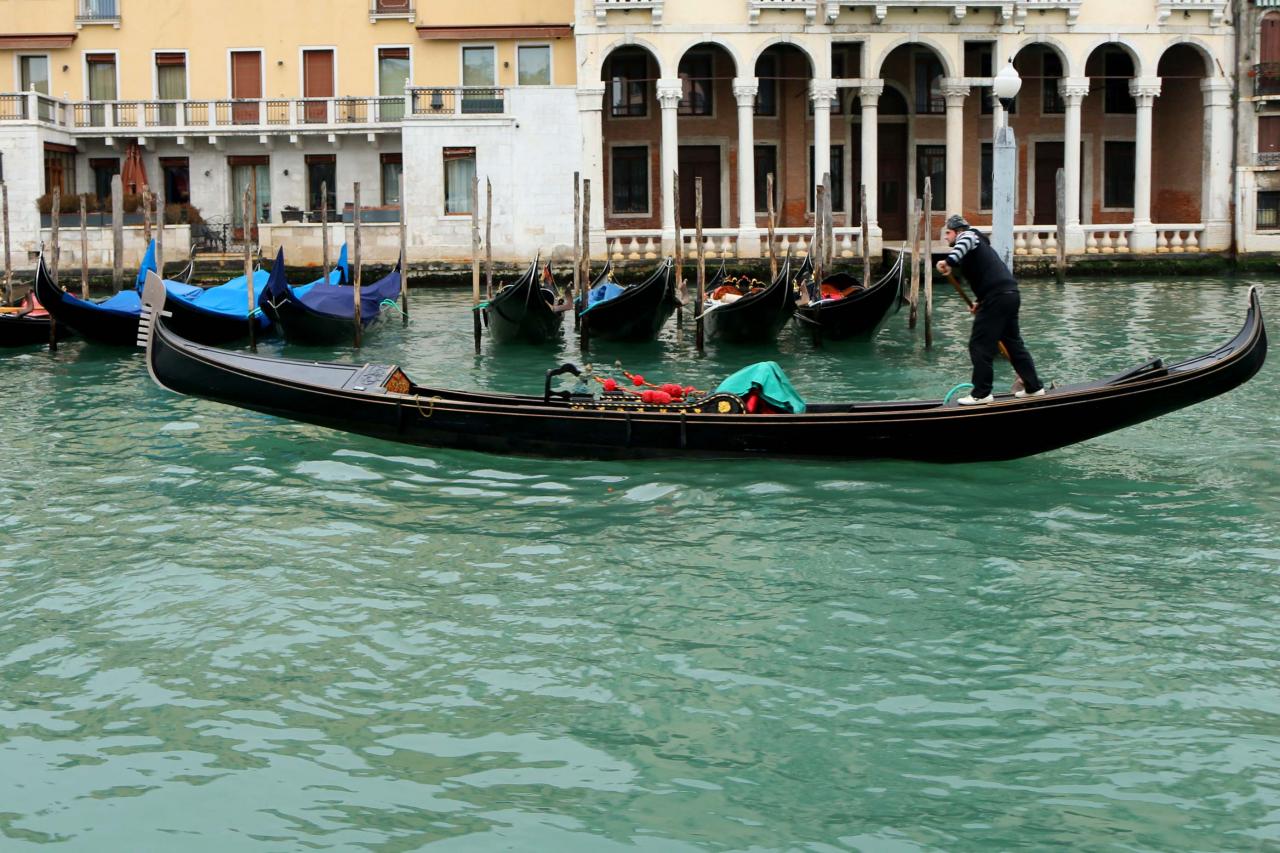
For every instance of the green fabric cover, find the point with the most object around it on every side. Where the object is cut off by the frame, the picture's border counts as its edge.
(771, 382)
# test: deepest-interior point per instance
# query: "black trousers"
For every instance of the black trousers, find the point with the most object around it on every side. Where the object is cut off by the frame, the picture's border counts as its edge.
(997, 322)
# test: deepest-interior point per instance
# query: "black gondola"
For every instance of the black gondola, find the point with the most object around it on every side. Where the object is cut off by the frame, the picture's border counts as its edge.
(636, 312)
(325, 314)
(379, 400)
(27, 324)
(756, 317)
(525, 310)
(841, 308)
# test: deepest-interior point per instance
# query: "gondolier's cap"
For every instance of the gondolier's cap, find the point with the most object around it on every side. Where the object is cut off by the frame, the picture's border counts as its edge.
(956, 222)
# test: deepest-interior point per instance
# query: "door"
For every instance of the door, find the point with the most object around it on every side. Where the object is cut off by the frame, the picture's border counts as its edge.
(249, 173)
(893, 181)
(317, 82)
(246, 85)
(1048, 162)
(700, 161)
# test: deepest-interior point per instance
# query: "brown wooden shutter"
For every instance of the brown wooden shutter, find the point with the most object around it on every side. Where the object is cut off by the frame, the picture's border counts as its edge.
(246, 74)
(1268, 134)
(393, 53)
(171, 59)
(1270, 41)
(317, 73)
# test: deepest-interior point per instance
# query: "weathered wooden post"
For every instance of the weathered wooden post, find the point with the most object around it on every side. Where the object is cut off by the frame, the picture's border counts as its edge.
(829, 231)
(117, 233)
(84, 248)
(404, 255)
(8, 263)
(55, 250)
(913, 240)
(699, 339)
(324, 229)
(866, 237)
(678, 248)
(146, 216)
(577, 248)
(773, 245)
(584, 332)
(928, 263)
(488, 239)
(355, 291)
(248, 204)
(816, 253)
(475, 260)
(1060, 187)
(160, 211)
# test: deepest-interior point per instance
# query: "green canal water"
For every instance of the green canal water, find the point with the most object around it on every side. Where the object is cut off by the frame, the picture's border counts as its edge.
(223, 631)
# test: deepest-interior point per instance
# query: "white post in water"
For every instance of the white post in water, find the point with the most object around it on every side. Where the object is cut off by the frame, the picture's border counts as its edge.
(1004, 168)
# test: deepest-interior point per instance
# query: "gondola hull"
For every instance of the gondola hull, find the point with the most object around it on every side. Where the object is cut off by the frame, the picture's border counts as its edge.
(208, 327)
(309, 328)
(522, 312)
(323, 315)
(856, 315)
(755, 318)
(638, 313)
(99, 325)
(378, 400)
(23, 331)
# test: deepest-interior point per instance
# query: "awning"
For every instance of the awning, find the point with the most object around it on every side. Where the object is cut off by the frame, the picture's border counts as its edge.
(496, 31)
(28, 41)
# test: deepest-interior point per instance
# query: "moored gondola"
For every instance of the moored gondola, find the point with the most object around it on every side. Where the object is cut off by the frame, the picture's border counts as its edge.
(635, 312)
(526, 310)
(27, 324)
(340, 274)
(840, 307)
(324, 314)
(380, 400)
(755, 317)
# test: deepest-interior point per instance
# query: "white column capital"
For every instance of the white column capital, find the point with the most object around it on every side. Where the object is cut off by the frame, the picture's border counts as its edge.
(870, 92)
(955, 90)
(1217, 92)
(822, 91)
(670, 92)
(745, 90)
(591, 97)
(1073, 90)
(1145, 90)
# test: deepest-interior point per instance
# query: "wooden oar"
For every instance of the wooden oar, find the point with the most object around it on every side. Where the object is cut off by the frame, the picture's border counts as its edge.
(1004, 352)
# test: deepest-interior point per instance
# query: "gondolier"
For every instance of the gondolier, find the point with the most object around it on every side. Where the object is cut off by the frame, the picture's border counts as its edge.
(995, 312)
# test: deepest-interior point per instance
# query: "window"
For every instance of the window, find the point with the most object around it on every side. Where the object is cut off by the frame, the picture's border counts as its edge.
(393, 74)
(766, 163)
(1118, 69)
(392, 166)
(245, 171)
(931, 163)
(104, 169)
(479, 67)
(929, 97)
(837, 179)
(102, 84)
(1051, 102)
(987, 167)
(629, 179)
(459, 170)
(176, 172)
(59, 168)
(628, 95)
(695, 81)
(1268, 211)
(767, 94)
(322, 171)
(34, 71)
(1117, 179)
(1269, 138)
(533, 65)
(171, 85)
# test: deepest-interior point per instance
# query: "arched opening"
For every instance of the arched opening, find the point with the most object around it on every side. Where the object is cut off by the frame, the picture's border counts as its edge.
(1177, 155)
(1038, 120)
(707, 129)
(912, 136)
(1108, 131)
(783, 132)
(631, 133)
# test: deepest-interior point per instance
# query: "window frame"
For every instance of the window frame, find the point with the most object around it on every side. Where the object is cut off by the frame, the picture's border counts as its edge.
(444, 178)
(166, 163)
(551, 68)
(1257, 208)
(186, 71)
(837, 180)
(939, 188)
(772, 77)
(761, 180)
(387, 158)
(685, 109)
(614, 213)
(115, 64)
(1106, 141)
(918, 57)
(17, 69)
(645, 90)
(492, 47)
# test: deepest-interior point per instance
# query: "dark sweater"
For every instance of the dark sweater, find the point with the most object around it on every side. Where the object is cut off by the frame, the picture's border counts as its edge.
(973, 256)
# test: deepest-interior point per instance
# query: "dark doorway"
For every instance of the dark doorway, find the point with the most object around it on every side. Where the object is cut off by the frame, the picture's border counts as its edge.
(1048, 162)
(893, 181)
(700, 161)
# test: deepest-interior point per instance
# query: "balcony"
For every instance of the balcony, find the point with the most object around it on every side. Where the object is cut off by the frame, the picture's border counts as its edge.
(1217, 10)
(1266, 79)
(604, 7)
(1006, 11)
(382, 10)
(459, 100)
(97, 12)
(809, 7)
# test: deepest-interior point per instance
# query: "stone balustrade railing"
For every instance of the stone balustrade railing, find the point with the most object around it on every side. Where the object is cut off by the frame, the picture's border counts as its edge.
(1178, 238)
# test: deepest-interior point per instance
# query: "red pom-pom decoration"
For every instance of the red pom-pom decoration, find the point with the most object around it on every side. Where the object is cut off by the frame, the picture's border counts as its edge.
(674, 390)
(610, 384)
(659, 397)
(637, 380)
(689, 389)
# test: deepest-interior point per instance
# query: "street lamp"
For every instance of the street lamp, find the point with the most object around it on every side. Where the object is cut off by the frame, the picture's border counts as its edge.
(1005, 86)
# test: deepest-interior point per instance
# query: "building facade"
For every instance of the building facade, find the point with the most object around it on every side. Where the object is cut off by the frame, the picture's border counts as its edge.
(1132, 101)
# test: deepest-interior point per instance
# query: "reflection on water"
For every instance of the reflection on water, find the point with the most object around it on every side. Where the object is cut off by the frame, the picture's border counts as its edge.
(224, 631)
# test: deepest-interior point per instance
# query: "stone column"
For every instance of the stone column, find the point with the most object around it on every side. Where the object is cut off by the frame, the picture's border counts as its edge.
(821, 92)
(669, 94)
(1145, 90)
(1215, 184)
(870, 93)
(591, 116)
(955, 91)
(744, 89)
(1073, 91)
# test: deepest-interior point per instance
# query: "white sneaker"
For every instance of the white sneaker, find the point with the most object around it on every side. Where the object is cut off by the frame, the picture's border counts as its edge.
(1025, 393)
(970, 400)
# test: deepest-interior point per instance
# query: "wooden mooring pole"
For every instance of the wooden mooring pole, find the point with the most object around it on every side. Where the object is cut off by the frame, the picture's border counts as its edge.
(1060, 189)
(475, 260)
(865, 237)
(54, 252)
(84, 248)
(355, 239)
(117, 233)
(146, 217)
(928, 263)
(577, 251)
(773, 223)
(816, 253)
(913, 238)
(324, 229)
(249, 202)
(404, 255)
(8, 262)
(678, 252)
(488, 239)
(160, 211)
(584, 332)
(699, 335)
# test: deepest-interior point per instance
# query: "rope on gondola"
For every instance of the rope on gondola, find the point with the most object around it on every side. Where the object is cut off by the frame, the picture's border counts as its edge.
(417, 401)
(958, 388)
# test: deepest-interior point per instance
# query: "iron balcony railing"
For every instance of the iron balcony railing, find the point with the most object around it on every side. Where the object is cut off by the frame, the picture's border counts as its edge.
(97, 11)
(391, 9)
(457, 100)
(1266, 78)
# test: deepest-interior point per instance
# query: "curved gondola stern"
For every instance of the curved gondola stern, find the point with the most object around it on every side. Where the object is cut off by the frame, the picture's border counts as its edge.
(153, 297)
